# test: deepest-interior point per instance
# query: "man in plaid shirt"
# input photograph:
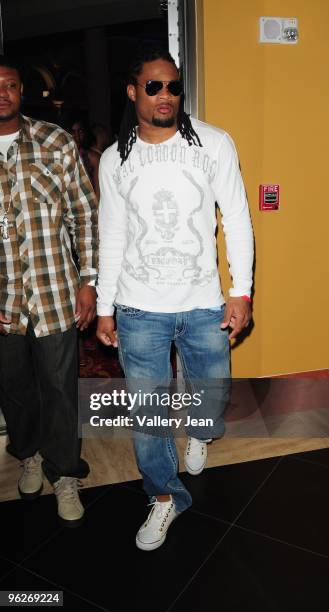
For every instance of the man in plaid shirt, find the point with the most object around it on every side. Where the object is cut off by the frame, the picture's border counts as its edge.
(46, 200)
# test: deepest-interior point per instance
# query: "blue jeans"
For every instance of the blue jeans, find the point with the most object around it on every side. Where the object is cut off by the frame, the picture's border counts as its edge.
(145, 340)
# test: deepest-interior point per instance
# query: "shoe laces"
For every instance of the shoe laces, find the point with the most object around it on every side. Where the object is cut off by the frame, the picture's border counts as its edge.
(194, 444)
(67, 487)
(31, 464)
(159, 512)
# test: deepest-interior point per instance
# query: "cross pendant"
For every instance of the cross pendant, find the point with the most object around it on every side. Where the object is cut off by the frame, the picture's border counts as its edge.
(4, 225)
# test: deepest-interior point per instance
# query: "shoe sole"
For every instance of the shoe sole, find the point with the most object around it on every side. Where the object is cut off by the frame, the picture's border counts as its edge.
(30, 496)
(71, 524)
(194, 472)
(158, 543)
(152, 546)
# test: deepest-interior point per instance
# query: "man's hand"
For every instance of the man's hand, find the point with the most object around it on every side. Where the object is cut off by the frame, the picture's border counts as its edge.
(85, 307)
(237, 315)
(106, 331)
(3, 320)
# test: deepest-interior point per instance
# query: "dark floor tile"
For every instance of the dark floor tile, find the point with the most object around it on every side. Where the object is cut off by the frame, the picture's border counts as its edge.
(100, 560)
(22, 580)
(134, 485)
(90, 495)
(250, 573)
(318, 456)
(222, 492)
(30, 523)
(5, 565)
(293, 505)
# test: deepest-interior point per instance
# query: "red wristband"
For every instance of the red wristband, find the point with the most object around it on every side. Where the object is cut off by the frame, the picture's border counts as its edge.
(246, 298)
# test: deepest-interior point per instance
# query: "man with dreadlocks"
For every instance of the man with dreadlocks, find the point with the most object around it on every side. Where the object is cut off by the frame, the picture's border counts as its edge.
(158, 267)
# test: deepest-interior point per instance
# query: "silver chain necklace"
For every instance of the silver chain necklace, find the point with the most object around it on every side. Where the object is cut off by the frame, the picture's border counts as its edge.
(4, 223)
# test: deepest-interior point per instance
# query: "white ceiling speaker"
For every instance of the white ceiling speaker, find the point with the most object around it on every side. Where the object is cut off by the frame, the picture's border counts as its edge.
(278, 30)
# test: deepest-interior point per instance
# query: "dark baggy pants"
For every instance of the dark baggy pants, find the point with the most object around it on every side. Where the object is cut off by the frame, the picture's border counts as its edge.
(39, 399)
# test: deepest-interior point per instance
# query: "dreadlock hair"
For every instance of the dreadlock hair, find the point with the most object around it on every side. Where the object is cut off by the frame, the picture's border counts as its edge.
(127, 133)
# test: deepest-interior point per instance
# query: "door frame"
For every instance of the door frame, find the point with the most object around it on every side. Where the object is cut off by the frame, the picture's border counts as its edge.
(186, 45)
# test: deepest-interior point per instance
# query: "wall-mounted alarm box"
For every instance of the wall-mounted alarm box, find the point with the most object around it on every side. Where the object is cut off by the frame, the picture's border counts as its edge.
(269, 197)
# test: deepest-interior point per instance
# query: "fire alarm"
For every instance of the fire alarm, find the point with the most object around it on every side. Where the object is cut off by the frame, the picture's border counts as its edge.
(278, 30)
(269, 197)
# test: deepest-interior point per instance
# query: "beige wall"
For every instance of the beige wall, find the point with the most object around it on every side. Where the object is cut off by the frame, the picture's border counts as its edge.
(274, 101)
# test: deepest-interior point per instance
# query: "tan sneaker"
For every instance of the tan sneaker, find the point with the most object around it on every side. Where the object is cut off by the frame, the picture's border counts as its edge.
(30, 483)
(70, 508)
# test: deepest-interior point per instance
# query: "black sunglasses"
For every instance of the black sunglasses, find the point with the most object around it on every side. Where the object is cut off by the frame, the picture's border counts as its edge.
(175, 88)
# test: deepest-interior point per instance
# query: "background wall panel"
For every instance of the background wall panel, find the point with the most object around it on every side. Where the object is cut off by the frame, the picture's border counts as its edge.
(274, 101)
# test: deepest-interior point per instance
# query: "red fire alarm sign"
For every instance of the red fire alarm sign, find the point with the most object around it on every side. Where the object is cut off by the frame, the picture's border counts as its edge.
(269, 197)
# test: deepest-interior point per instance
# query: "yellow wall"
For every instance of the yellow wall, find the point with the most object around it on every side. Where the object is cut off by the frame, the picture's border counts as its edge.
(274, 101)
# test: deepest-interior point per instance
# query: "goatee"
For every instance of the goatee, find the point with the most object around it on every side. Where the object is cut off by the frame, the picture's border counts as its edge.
(164, 123)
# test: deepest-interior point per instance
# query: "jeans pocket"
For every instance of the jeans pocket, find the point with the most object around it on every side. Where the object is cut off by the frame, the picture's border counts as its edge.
(217, 311)
(129, 311)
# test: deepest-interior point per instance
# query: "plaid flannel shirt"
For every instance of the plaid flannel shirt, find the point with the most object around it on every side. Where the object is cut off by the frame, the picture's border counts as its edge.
(51, 199)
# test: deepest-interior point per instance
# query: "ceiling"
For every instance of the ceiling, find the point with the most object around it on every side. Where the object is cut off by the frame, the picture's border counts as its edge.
(30, 18)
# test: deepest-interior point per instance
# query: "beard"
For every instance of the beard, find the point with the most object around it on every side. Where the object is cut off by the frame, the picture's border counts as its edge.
(8, 117)
(164, 123)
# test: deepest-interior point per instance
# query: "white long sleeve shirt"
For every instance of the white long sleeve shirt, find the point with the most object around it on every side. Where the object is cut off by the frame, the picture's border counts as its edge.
(157, 223)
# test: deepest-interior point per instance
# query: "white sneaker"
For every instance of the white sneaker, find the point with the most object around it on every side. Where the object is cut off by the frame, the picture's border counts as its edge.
(30, 483)
(195, 456)
(153, 532)
(70, 508)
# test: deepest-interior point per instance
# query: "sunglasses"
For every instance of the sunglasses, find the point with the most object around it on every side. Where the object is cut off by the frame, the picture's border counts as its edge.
(152, 88)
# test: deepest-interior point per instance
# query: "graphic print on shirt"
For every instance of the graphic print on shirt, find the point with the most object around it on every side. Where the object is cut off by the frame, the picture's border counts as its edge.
(165, 211)
(160, 260)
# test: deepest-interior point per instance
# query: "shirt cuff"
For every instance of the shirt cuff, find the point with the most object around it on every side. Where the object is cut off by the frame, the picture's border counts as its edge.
(88, 279)
(103, 310)
(239, 292)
